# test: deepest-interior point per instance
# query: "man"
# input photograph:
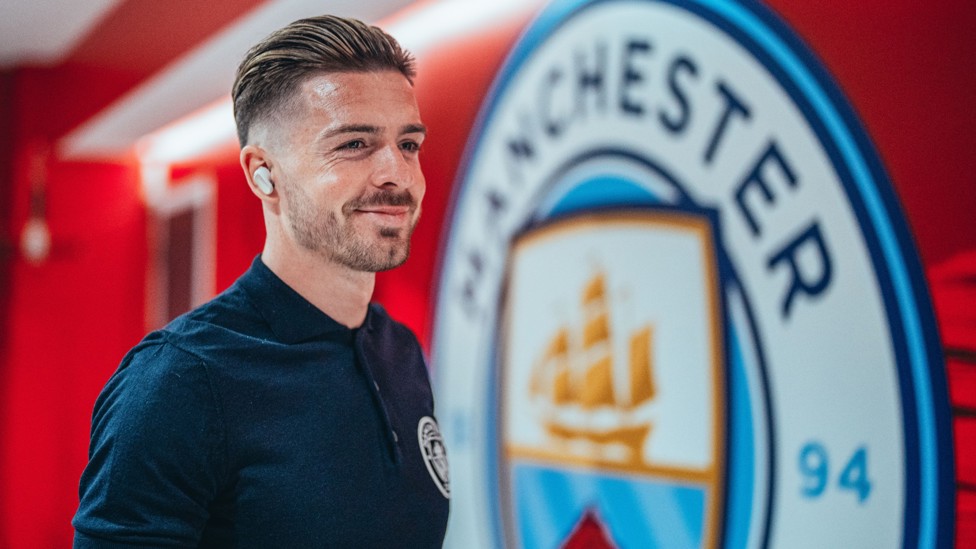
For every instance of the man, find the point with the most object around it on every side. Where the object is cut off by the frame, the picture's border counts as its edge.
(289, 411)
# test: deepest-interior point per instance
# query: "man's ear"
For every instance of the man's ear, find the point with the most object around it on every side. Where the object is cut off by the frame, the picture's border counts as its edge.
(258, 170)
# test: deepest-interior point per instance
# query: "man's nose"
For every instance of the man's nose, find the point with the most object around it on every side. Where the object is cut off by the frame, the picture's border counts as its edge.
(393, 168)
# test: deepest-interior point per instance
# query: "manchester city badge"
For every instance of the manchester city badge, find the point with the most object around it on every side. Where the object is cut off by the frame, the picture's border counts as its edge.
(679, 306)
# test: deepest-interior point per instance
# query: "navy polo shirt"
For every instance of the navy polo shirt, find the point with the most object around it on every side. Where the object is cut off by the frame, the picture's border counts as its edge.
(258, 421)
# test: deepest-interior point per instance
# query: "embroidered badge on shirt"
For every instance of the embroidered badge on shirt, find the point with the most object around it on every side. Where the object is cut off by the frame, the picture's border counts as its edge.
(435, 455)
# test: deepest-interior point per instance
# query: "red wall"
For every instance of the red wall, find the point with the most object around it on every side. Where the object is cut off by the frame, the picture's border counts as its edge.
(64, 324)
(66, 321)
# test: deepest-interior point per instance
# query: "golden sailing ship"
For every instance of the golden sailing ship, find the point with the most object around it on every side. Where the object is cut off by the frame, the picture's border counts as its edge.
(576, 373)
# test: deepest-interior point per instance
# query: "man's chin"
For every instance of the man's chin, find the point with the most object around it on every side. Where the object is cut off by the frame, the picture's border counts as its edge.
(396, 257)
(380, 256)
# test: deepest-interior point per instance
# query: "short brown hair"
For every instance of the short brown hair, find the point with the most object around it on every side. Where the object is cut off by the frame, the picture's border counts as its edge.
(273, 69)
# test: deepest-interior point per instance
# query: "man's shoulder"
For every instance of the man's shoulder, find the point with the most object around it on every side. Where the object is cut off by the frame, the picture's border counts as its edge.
(228, 315)
(232, 309)
(226, 323)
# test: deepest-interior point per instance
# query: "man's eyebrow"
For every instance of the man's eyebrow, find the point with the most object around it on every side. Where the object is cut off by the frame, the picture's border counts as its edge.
(413, 128)
(349, 128)
(369, 129)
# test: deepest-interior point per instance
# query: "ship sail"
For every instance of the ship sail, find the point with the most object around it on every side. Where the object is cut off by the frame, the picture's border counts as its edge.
(597, 387)
(595, 290)
(641, 384)
(596, 331)
(552, 376)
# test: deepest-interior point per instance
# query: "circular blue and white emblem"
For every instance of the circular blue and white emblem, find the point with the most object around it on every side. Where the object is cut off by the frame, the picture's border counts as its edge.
(678, 304)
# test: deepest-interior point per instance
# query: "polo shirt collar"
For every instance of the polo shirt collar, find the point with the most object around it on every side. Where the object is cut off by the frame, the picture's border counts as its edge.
(291, 317)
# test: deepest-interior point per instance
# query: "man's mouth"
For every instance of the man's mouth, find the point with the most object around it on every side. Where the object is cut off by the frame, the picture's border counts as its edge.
(385, 210)
(386, 213)
(384, 207)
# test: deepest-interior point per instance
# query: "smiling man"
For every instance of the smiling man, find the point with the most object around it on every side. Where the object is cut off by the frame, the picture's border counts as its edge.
(289, 411)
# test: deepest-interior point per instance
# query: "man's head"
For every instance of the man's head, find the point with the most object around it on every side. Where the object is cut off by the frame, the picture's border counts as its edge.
(327, 106)
(272, 70)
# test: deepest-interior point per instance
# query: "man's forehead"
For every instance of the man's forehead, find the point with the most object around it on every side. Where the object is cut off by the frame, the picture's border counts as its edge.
(353, 86)
(362, 103)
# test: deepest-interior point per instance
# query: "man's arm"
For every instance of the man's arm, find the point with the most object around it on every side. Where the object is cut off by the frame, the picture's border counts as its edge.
(157, 453)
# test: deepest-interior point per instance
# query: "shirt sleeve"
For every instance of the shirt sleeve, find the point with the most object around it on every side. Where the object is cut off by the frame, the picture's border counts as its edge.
(156, 455)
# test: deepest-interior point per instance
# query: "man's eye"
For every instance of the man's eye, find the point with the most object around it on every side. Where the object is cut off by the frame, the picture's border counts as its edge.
(411, 146)
(357, 144)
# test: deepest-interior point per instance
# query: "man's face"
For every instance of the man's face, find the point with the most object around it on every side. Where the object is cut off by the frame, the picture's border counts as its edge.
(348, 169)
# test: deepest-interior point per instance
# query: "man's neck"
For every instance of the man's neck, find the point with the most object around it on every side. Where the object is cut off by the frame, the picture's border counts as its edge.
(334, 289)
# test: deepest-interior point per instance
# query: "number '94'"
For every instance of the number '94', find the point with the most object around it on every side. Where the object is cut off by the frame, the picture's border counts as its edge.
(815, 466)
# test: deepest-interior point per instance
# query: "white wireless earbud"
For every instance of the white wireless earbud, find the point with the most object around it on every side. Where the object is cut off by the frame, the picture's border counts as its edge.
(262, 178)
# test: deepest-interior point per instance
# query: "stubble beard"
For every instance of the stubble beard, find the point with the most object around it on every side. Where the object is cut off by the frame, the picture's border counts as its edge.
(341, 242)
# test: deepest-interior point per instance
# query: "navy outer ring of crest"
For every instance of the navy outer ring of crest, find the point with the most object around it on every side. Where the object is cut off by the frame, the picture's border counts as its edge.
(930, 476)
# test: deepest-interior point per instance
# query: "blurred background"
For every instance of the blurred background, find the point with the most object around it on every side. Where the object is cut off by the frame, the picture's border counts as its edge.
(124, 203)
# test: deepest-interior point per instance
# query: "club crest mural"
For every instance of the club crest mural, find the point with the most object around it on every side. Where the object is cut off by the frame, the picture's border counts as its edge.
(678, 304)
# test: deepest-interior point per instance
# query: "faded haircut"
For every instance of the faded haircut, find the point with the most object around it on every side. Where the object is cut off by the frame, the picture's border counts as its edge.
(272, 70)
